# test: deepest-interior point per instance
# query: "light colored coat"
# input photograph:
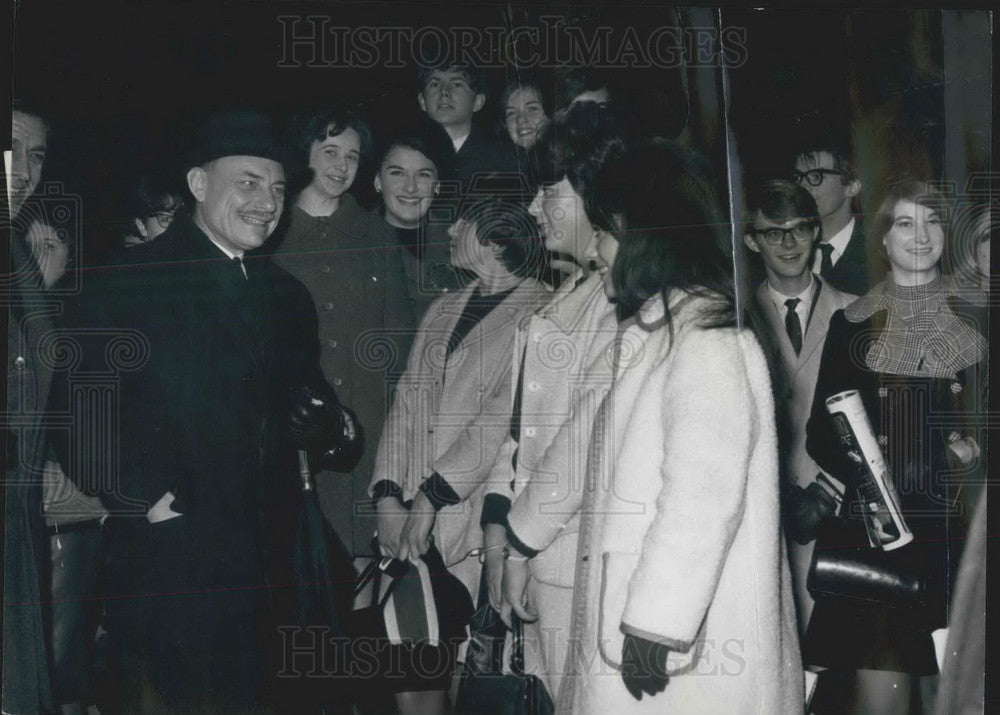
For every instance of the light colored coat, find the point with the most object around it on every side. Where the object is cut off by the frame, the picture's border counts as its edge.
(452, 417)
(680, 540)
(794, 396)
(567, 369)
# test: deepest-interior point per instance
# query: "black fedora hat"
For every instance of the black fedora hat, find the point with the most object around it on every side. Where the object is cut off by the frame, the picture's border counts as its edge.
(241, 133)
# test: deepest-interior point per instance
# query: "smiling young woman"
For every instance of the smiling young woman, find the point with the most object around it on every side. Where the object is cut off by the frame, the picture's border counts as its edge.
(913, 334)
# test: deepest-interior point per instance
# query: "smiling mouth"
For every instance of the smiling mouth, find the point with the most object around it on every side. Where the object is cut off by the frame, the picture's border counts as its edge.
(408, 200)
(920, 251)
(254, 220)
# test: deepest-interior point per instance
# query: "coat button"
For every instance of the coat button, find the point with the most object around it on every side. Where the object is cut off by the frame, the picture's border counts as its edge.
(537, 337)
(883, 392)
(883, 440)
(533, 387)
(332, 343)
(374, 279)
(529, 431)
(20, 362)
(337, 381)
(326, 269)
(328, 306)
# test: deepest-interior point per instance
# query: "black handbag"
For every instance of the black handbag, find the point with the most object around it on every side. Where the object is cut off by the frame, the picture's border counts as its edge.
(485, 689)
(845, 566)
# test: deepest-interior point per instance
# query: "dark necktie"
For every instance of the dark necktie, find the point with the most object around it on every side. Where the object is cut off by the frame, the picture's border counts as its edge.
(826, 262)
(792, 325)
(238, 262)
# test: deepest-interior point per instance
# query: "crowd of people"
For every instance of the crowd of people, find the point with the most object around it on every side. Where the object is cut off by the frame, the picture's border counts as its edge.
(574, 404)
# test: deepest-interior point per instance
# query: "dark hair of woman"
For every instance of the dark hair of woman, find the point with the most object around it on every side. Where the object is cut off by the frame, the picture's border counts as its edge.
(671, 231)
(576, 144)
(508, 225)
(427, 137)
(920, 193)
(317, 125)
(521, 81)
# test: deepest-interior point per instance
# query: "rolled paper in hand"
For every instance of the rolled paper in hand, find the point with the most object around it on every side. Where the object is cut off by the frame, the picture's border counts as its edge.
(304, 471)
(883, 518)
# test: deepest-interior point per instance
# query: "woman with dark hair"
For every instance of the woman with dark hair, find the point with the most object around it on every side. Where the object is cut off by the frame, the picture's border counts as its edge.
(448, 420)
(911, 347)
(680, 561)
(524, 113)
(412, 163)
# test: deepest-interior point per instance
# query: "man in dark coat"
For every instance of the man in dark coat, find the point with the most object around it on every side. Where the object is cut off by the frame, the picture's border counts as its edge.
(26, 685)
(825, 168)
(220, 384)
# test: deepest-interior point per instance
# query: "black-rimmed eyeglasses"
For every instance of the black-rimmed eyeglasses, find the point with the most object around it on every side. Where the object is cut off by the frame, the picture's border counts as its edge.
(814, 177)
(164, 218)
(800, 232)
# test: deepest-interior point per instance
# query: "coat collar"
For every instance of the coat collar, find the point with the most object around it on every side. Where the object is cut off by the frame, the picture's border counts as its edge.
(572, 302)
(528, 292)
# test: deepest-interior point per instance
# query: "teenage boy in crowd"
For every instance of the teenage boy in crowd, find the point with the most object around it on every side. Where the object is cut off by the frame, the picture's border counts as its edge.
(784, 228)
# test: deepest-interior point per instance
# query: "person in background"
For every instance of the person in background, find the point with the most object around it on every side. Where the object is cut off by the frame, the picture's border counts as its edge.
(27, 685)
(680, 555)
(824, 166)
(560, 370)
(451, 94)
(156, 200)
(783, 228)
(356, 285)
(914, 333)
(412, 163)
(451, 413)
(523, 115)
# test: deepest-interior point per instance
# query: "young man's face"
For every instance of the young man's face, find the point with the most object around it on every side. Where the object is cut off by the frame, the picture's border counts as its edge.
(832, 194)
(450, 100)
(335, 161)
(788, 256)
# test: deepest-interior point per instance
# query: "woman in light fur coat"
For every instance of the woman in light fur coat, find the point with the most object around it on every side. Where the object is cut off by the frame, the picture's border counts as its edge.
(683, 601)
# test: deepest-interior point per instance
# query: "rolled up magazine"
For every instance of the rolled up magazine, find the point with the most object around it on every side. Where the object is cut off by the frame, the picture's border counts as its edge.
(880, 503)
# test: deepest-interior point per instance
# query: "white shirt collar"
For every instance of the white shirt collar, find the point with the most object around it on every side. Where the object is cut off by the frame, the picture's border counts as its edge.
(457, 143)
(839, 242)
(804, 304)
(230, 254)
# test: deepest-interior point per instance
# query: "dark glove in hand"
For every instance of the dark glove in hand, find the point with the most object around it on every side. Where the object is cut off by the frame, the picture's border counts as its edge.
(644, 666)
(806, 509)
(315, 419)
(345, 456)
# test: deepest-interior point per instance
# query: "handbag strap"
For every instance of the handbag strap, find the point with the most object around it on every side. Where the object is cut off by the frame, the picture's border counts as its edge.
(517, 645)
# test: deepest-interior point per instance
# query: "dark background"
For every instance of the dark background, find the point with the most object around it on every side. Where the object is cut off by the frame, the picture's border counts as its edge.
(125, 82)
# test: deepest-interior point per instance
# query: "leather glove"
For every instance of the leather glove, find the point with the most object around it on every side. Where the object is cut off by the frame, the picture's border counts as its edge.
(806, 509)
(315, 419)
(644, 666)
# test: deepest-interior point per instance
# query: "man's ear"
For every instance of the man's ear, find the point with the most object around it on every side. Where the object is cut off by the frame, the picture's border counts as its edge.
(197, 179)
(480, 101)
(853, 188)
(141, 225)
(421, 102)
(751, 243)
(378, 185)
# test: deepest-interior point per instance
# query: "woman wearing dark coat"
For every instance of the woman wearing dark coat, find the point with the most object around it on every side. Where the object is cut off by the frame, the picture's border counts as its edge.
(912, 347)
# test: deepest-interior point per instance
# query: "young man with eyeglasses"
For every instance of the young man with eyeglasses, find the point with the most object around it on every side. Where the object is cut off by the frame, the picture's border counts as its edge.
(155, 202)
(784, 228)
(824, 167)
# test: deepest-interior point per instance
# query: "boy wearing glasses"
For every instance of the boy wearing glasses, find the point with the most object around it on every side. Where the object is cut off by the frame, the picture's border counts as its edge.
(824, 168)
(784, 227)
(156, 201)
